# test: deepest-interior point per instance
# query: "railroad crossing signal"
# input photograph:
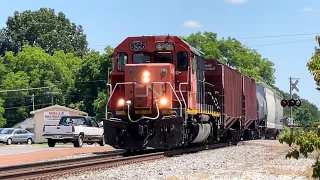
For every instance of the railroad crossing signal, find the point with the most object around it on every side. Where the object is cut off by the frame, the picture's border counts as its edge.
(294, 85)
(290, 102)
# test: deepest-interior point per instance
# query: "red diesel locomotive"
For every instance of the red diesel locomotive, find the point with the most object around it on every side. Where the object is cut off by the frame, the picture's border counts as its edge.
(165, 95)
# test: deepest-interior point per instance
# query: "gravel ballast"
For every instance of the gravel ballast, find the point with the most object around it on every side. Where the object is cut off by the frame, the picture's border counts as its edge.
(236, 162)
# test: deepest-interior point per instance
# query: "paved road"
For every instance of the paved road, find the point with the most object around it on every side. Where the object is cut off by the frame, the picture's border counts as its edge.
(18, 149)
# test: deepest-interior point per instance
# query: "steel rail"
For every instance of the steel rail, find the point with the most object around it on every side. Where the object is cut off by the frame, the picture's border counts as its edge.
(50, 169)
(38, 168)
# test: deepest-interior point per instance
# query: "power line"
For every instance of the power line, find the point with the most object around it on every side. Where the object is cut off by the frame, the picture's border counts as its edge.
(283, 42)
(274, 36)
(13, 90)
(269, 44)
(101, 80)
(48, 87)
(16, 107)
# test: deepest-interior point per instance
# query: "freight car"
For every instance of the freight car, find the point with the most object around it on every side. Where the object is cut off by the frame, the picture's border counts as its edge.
(270, 111)
(165, 95)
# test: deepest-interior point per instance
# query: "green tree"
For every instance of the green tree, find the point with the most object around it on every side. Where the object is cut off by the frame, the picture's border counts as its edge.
(302, 117)
(33, 67)
(92, 77)
(45, 29)
(234, 54)
(100, 106)
(3, 121)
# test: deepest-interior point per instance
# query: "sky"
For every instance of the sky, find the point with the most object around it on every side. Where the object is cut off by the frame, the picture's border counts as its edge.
(110, 22)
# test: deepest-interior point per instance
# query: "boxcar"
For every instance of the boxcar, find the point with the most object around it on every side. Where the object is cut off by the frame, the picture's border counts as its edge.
(249, 103)
(228, 83)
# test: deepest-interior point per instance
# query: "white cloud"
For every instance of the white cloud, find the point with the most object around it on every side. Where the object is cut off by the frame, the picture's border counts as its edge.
(308, 9)
(192, 24)
(236, 1)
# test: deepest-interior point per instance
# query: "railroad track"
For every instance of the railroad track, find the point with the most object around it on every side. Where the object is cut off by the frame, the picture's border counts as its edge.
(52, 169)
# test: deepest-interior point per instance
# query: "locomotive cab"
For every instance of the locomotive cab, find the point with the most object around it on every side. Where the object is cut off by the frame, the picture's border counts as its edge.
(145, 74)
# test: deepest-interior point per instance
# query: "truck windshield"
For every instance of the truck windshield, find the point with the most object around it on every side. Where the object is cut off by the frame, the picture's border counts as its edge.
(76, 121)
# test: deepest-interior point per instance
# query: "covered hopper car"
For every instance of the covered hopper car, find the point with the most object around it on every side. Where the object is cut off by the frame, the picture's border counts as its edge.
(166, 95)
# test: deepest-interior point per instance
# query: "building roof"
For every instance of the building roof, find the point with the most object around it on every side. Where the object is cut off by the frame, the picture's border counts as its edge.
(58, 106)
(27, 123)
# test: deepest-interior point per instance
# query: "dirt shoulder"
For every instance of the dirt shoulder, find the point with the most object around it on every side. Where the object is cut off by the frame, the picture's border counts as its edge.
(43, 155)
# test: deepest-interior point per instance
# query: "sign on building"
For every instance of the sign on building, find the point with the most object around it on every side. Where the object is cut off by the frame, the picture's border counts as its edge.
(54, 115)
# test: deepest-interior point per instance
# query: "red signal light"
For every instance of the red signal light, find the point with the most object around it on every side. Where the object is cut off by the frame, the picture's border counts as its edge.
(292, 102)
(284, 102)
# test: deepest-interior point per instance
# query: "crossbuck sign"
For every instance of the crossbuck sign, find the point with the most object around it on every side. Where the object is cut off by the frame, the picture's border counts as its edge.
(294, 85)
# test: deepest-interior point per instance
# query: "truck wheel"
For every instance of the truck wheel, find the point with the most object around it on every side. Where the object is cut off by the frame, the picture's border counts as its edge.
(51, 142)
(78, 142)
(102, 143)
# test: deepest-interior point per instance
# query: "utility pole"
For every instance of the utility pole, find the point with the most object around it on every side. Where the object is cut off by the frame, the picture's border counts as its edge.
(293, 86)
(32, 102)
(108, 94)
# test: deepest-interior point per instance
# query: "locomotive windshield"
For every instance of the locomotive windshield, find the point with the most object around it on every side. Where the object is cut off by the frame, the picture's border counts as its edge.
(158, 57)
(163, 57)
(140, 58)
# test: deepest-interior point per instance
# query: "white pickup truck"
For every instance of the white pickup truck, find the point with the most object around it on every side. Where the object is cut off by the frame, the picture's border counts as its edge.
(75, 129)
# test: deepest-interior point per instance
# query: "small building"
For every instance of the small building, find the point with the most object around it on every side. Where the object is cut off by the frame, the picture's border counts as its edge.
(46, 116)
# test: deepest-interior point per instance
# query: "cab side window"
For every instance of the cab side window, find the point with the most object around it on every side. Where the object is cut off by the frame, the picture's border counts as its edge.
(182, 61)
(122, 60)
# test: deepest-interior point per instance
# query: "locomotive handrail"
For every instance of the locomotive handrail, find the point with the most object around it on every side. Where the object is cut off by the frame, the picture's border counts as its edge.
(115, 87)
(173, 92)
(144, 117)
(184, 101)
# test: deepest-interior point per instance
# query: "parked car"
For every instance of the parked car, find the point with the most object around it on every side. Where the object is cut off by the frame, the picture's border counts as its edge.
(12, 136)
(1, 129)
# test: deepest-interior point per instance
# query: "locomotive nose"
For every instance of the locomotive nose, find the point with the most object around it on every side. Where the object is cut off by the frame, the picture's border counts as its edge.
(152, 83)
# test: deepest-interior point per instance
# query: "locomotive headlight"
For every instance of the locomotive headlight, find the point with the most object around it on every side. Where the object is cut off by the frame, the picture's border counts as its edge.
(146, 79)
(146, 74)
(121, 102)
(163, 101)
